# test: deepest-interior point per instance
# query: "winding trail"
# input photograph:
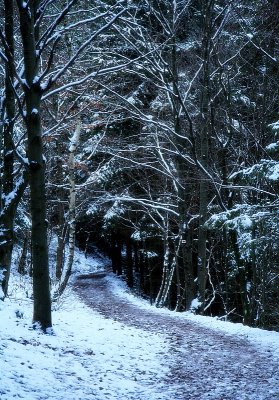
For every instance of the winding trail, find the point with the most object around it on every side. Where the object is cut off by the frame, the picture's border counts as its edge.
(204, 364)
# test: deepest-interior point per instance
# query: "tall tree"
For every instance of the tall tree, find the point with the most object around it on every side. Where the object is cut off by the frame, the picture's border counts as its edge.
(6, 219)
(72, 209)
(12, 183)
(40, 36)
(29, 14)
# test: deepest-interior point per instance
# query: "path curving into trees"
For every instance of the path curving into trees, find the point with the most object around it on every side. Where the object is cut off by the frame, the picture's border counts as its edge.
(202, 363)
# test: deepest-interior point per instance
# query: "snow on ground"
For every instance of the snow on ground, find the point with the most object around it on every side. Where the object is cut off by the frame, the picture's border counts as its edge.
(87, 356)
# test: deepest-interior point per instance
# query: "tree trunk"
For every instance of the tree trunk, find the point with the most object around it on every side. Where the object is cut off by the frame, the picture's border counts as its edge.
(22, 261)
(129, 263)
(60, 251)
(72, 210)
(189, 292)
(169, 267)
(41, 280)
(116, 256)
(136, 257)
(204, 152)
(61, 226)
(7, 216)
(180, 257)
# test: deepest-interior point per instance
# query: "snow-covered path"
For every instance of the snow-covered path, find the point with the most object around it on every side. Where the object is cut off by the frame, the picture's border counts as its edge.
(109, 345)
(197, 363)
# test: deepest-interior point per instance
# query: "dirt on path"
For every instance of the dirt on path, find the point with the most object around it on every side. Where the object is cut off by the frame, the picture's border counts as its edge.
(204, 364)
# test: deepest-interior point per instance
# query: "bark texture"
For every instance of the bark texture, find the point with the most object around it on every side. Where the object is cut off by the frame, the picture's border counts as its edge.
(32, 90)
